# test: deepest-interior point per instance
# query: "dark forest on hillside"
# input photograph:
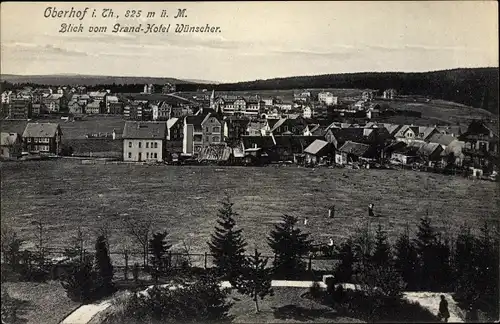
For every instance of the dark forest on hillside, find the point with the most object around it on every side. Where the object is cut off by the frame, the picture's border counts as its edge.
(476, 87)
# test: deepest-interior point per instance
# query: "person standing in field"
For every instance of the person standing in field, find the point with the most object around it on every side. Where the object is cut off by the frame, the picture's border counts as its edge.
(305, 221)
(370, 210)
(443, 309)
(331, 211)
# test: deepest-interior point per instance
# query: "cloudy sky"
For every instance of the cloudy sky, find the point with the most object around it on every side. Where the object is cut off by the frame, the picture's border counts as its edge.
(257, 40)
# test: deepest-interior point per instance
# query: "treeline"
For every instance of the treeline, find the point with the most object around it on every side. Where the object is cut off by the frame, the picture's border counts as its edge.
(476, 87)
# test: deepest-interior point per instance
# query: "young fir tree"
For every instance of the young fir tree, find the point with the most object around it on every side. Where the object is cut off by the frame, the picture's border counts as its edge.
(289, 245)
(426, 247)
(382, 252)
(255, 279)
(227, 244)
(103, 266)
(406, 262)
(465, 264)
(344, 271)
(487, 268)
(158, 247)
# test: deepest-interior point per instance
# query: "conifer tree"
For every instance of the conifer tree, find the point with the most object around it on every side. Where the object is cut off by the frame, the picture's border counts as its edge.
(465, 264)
(426, 244)
(406, 262)
(227, 244)
(289, 245)
(344, 271)
(103, 266)
(382, 251)
(158, 247)
(255, 279)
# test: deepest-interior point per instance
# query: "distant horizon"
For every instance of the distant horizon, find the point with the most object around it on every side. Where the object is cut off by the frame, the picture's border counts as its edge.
(222, 82)
(247, 40)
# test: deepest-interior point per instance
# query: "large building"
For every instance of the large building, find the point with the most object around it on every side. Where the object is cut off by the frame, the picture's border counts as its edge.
(44, 138)
(201, 131)
(20, 109)
(144, 141)
(327, 98)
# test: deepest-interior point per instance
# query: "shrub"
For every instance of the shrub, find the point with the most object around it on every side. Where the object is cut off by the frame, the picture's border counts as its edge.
(200, 301)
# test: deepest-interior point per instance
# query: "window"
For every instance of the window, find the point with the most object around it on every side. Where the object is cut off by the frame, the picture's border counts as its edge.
(147, 144)
(156, 146)
(129, 155)
(156, 155)
(129, 145)
(140, 144)
(216, 129)
(206, 129)
(216, 138)
(207, 139)
(147, 154)
(29, 139)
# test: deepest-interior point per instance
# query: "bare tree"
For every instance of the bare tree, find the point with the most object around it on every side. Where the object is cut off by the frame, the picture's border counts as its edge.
(140, 230)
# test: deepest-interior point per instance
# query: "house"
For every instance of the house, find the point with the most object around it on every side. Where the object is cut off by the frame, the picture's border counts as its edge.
(108, 100)
(20, 108)
(376, 138)
(162, 111)
(144, 141)
(257, 128)
(290, 147)
(389, 94)
(292, 125)
(97, 95)
(481, 144)
(200, 131)
(93, 108)
(216, 153)
(235, 127)
(392, 128)
(452, 148)
(115, 108)
(327, 98)
(410, 133)
(367, 95)
(55, 102)
(405, 154)
(429, 151)
(307, 112)
(317, 152)
(10, 145)
(133, 110)
(353, 152)
(76, 107)
(174, 129)
(42, 137)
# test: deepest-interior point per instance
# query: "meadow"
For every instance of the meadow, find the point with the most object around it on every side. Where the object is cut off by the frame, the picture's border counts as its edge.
(183, 200)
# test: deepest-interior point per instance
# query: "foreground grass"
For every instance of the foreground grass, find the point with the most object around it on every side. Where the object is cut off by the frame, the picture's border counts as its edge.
(184, 200)
(40, 303)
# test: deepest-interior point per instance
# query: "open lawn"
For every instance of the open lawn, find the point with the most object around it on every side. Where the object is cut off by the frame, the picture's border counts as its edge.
(40, 303)
(184, 200)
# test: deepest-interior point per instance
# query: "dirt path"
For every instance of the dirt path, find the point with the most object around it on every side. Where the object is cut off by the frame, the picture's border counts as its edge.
(429, 300)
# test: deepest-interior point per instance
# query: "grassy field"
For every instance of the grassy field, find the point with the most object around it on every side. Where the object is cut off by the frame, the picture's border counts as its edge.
(40, 303)
(184, 200)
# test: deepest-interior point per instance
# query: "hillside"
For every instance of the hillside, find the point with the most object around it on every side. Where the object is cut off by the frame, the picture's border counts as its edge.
(477, 87)
(86, 80)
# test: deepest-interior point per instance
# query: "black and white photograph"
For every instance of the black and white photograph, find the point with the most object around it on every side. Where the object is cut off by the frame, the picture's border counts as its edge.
(249, 162)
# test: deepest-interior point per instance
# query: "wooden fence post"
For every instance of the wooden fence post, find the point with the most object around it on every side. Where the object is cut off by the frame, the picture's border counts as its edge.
(205, 260)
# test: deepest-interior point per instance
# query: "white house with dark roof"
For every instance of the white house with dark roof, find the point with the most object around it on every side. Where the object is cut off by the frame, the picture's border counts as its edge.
(144, 141)
(44, 138)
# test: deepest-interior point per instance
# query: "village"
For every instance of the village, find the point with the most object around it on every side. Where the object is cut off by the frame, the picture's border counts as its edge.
(314, 129)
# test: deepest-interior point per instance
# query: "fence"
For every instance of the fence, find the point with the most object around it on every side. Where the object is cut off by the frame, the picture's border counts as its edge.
(55, 261)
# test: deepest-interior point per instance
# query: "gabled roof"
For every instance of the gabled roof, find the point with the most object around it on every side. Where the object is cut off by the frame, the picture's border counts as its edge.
(171, 122)
(392, 128)
(195, 120)
(352, 134)
(319, 131)
(280, 122)
(264, 142)
(210, 115)
(144, 130)
(427, 131)
(442, 139)
(93, 104)
(428, 148)
(272, 122)
(406, 150)
(41, 130)
(316, 147)
(357, 149)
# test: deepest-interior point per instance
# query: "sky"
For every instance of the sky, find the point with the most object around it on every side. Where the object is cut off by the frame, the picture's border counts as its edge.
(257, 40)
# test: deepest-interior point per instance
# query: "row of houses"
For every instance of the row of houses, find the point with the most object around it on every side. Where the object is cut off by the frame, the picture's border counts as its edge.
(38, 138)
